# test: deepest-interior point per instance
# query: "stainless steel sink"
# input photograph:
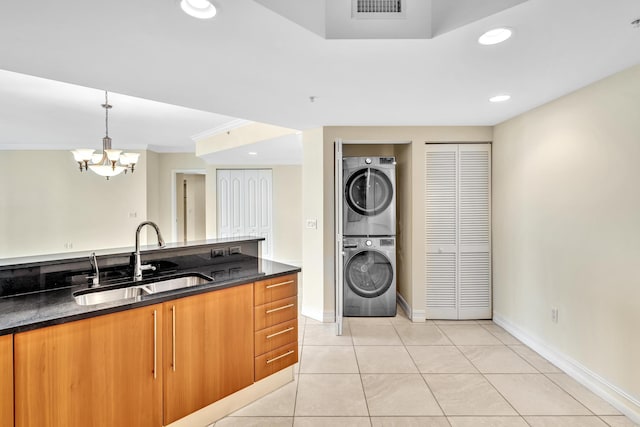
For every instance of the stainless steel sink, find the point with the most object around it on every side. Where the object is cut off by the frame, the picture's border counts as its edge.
(99, 296)
(176, 283)
(141, 289)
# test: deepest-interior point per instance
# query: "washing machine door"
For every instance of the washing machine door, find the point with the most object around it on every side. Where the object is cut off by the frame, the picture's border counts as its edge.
(369, 274)
(368, 191)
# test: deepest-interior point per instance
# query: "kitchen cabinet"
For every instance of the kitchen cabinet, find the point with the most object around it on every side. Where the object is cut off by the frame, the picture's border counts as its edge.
(275, 324)
(102, 371)
(208, 349)
(6, 380)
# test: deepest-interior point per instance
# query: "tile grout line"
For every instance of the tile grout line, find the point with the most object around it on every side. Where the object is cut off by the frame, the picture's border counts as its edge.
(570, 394)
(543, 374)
(444, 414)
(295, 399)
(484, 376)
(364, 393)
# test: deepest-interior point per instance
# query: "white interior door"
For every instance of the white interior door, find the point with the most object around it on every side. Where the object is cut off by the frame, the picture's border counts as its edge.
(474, 238)
(244, 205)
(230, 203)
(441, 208)
(458, 231)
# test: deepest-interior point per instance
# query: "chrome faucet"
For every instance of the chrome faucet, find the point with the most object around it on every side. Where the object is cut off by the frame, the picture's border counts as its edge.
(138, 268)
(95, 278)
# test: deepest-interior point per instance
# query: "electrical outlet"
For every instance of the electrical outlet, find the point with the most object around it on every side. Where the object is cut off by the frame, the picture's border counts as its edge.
(312, 223)
(554, 314)
(68, 245)
(217, 253)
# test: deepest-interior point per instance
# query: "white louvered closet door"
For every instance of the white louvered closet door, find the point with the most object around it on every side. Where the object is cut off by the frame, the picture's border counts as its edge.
(458, 231)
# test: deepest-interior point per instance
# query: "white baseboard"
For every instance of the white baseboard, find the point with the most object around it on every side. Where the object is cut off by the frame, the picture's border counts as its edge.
(617, 397)
(415, 315)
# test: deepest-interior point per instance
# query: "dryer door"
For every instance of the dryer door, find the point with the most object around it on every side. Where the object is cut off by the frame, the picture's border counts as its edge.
(369, 274)
(368, 191)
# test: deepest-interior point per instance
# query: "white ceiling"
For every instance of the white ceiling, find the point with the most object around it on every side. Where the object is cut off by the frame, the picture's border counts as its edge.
(37, 113)
(252, 63)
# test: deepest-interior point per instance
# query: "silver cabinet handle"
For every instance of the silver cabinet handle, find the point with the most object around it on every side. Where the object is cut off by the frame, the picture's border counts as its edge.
(155, 344)
(280, 308)
(173, 351)
(280, 357)
(279, 284)
(280, 333)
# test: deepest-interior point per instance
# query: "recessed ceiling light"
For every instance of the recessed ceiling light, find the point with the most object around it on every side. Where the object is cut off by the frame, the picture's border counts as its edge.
(252, 153)
(495, 36)
(201, 9)
(500, 98)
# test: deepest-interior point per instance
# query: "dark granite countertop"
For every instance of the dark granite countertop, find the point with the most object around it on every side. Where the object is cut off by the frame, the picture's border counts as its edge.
(25, 312)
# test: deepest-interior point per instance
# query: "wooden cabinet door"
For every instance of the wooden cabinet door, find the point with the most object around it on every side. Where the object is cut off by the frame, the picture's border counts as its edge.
(6, 380)
(102, 371)
(208, 349)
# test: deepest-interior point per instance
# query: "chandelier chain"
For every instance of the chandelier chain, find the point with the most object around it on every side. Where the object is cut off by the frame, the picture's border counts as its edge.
(106, 116)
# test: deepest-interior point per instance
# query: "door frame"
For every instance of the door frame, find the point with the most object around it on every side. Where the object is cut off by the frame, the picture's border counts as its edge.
(174, 192)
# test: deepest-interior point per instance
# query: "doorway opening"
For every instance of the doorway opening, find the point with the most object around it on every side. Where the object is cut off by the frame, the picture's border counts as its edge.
(190, 206)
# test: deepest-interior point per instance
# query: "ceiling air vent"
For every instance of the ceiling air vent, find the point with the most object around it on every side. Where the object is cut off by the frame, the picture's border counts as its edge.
(378, 9)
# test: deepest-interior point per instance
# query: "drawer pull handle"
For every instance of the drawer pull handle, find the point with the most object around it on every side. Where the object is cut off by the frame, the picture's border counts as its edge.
(280, 333)
(280, 308)
(279, 284)
(155, 344)
(280, 357)
(173, 340)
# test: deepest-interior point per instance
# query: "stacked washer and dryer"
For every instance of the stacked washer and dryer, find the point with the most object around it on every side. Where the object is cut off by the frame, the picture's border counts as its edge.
(369, 242)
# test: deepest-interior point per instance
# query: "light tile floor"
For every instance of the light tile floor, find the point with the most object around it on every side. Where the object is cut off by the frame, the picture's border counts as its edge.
(388, 372)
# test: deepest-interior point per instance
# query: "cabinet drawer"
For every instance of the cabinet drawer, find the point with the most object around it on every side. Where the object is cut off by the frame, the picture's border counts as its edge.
(274, 289)
(273, 361)
(276, 336)
(276, 312)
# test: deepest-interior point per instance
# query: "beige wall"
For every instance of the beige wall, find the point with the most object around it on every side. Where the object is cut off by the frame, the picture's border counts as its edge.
(287, 200)
(168, 165)
(42, 212)
(566, 228)
(46, 203)
(287, 216)
(315, 253)
(363, 150)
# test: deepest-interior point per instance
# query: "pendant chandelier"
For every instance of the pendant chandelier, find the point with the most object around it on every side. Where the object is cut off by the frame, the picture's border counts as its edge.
(109, 162)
